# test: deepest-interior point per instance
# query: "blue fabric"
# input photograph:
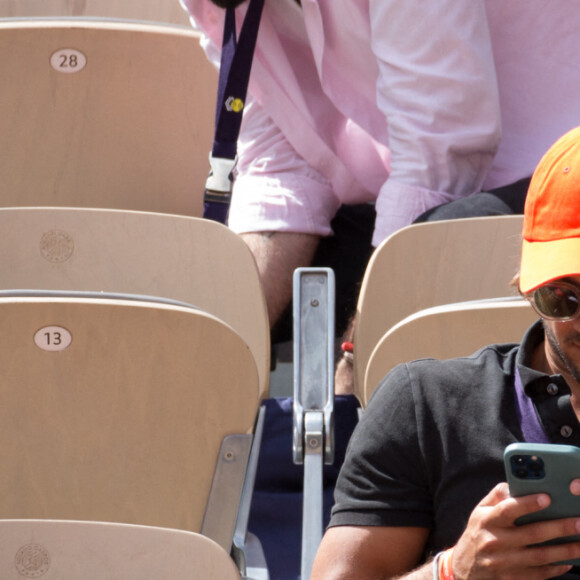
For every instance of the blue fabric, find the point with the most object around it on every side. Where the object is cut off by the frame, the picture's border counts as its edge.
(276, 514)
(216, 211)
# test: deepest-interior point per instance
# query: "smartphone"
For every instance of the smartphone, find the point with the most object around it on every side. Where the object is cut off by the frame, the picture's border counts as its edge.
(545, 468)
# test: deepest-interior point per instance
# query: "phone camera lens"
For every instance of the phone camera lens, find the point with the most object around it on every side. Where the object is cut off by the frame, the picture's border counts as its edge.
(536, 466)
(521, 472)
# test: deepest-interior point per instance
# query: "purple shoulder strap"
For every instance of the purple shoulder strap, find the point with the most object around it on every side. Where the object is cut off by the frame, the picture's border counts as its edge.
(532, 429)
(234, 76)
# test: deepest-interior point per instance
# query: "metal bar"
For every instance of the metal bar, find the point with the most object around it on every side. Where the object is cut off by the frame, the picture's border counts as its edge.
(312, 524)
(313, 397)
(241, 530)
(226, 490)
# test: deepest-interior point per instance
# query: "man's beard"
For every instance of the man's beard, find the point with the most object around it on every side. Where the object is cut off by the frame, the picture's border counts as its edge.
(565, 360)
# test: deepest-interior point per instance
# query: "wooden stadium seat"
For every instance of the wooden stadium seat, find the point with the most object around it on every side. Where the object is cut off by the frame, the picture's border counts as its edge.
(159, 11)
(104, 114)
(128, 411)
(446, 332)
(190, 260)
(431, 264)
(70, 550)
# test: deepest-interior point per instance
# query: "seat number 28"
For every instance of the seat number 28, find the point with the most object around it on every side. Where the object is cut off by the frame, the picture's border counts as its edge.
(68, 60)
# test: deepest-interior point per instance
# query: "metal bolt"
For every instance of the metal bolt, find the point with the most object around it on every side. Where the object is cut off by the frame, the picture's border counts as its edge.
(314, 303)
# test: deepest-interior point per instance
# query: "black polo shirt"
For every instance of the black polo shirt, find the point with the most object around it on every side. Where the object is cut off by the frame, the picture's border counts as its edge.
(430, 444)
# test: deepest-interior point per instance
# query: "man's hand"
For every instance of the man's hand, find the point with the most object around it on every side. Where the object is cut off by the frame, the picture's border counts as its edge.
(493, 547)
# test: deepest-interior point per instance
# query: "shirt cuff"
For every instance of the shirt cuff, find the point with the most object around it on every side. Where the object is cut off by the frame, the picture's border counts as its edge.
(399, 204)
(284, 203)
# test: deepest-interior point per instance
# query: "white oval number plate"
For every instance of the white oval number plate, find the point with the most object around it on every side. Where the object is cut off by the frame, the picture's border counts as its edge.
(53, 338)
(68, 60)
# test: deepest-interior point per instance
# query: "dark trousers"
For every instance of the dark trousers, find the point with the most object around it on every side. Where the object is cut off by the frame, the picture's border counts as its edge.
(507, 200)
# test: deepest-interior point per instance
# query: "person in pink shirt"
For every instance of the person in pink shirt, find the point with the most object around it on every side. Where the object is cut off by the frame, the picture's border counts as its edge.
(404, 105)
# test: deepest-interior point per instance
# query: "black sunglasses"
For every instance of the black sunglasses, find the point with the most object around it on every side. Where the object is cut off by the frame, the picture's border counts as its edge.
(556, 301)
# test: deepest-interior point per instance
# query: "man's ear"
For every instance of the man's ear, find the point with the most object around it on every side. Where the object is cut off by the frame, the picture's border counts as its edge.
(227, 3)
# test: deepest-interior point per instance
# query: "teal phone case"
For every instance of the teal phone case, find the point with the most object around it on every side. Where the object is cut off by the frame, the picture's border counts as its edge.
(545, 468)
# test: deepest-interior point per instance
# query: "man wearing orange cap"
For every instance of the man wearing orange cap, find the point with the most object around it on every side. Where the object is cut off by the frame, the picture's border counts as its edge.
(422, 492)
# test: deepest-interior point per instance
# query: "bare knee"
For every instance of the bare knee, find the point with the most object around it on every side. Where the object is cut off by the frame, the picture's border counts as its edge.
(277, 255)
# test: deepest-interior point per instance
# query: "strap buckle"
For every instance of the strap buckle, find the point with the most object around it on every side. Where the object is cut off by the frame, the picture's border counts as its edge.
(218, 186)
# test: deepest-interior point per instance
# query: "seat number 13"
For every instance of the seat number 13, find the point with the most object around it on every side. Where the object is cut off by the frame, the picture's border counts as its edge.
(53, 338)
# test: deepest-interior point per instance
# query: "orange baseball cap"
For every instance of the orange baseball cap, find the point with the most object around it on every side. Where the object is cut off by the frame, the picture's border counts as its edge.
(551, 230)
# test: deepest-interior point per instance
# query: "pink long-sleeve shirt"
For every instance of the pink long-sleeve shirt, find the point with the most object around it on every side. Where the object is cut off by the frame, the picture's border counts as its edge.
(406, 104)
